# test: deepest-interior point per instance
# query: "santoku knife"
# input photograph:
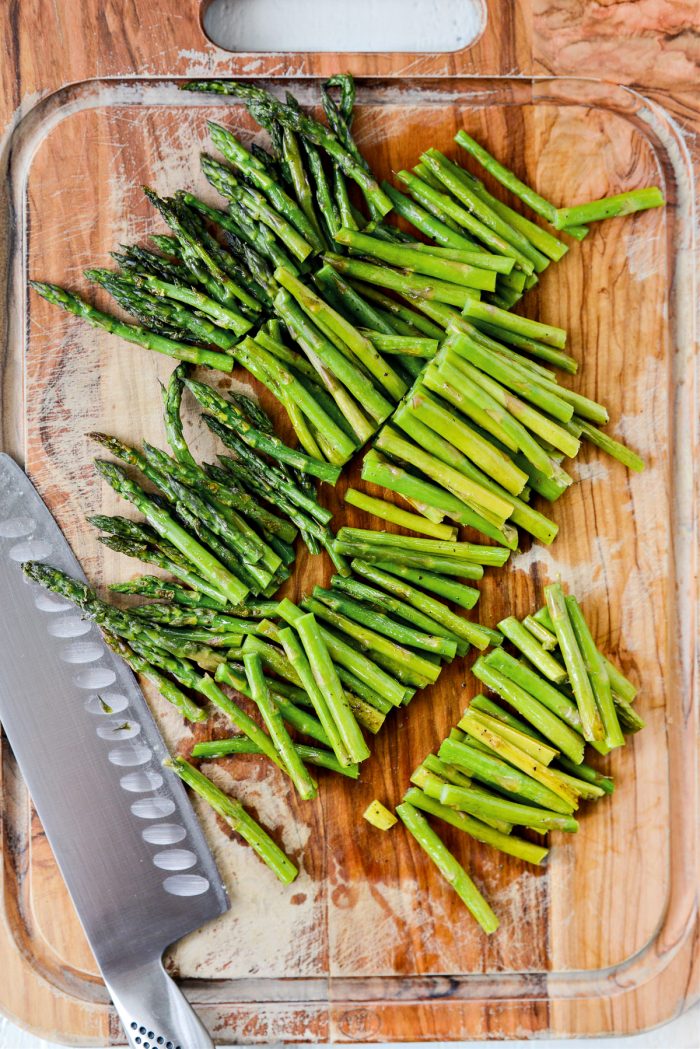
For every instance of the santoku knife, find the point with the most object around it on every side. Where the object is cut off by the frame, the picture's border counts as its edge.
(121, 826)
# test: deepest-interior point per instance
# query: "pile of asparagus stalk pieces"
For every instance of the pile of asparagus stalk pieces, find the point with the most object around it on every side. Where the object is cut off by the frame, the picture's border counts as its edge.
(519, 761)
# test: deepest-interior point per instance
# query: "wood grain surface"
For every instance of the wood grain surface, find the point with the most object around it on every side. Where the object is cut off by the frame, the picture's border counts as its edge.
(368, 944)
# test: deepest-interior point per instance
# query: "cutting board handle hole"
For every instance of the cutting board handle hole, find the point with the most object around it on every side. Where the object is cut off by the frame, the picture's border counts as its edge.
(344, 26)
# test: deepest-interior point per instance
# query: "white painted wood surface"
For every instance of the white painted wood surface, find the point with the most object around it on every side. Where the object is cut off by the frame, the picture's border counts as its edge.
(682, 1033)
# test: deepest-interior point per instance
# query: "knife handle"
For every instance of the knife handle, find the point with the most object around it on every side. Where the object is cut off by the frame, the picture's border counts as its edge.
(153, 1010)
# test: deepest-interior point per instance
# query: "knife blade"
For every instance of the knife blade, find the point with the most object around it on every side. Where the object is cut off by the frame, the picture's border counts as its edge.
(121, 827)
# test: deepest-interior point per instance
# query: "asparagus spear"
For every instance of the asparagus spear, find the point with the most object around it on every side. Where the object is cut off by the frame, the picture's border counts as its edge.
(389, 512)
(597, 673)
(593, 728)
(232, 811)
(472, 552)
(227, 413)
(407, 258)
(384, 602)
(497, 773)
(212, 570)
(288, 753)
(373, 554)
(285, 385)
(609, 207)
(502, 319)
(444, 205)
(255, 172)
(154, 586)
(159, 304)
(480, 805)
(550, 724)
(222, 748)
(475, 828)
(398, 280)
(154, 557)
(406, 666)
(450, 179)
(233, 675)
(448, 866)
(538, 204)
(334, 323)
(328, 715)
(384, 625)
(226, 495)
(117, 623)
(517, 634)
(172, 401)
(168, 690)
(519, 759)
(458, 593)
(469, 632)
(131, 332)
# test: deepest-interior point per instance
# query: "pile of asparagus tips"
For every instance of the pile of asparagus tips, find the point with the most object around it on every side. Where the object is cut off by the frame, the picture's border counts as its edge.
(336, 310)
(518, 760)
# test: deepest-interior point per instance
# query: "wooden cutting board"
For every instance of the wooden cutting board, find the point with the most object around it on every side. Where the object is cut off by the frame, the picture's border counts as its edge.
(368, 944)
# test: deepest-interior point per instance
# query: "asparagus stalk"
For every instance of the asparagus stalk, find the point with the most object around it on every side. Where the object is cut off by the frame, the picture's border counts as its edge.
(458, 593)
(468, 491)
(172, 401)
(154, 586)
(608, 444)
(540, 633)
(471, 552)
(327, 716)
(319, 756)
(389, 512)
(519, 759)
(593, 728)
(211, 569)
(168, 689)
(475, 828)
(609, 207)
(222, 495)
(451, 566)
(403, 345)
(397, 280)
(233, 812)
(384, 625)
(597, 673)
(469, 632)
(451, 179)
(331, 320)
(407, 258)
(314, 642)
(383, 602)
(494, 772)
(130, 332)
(530, 706)
(154, 557)
(254, 170)
(538, 204)
(467, 799)
(229, 415)
(299, 719)
(297, 771)
(532, 650)
(405, 665)
(448, 866)
(442, 204)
